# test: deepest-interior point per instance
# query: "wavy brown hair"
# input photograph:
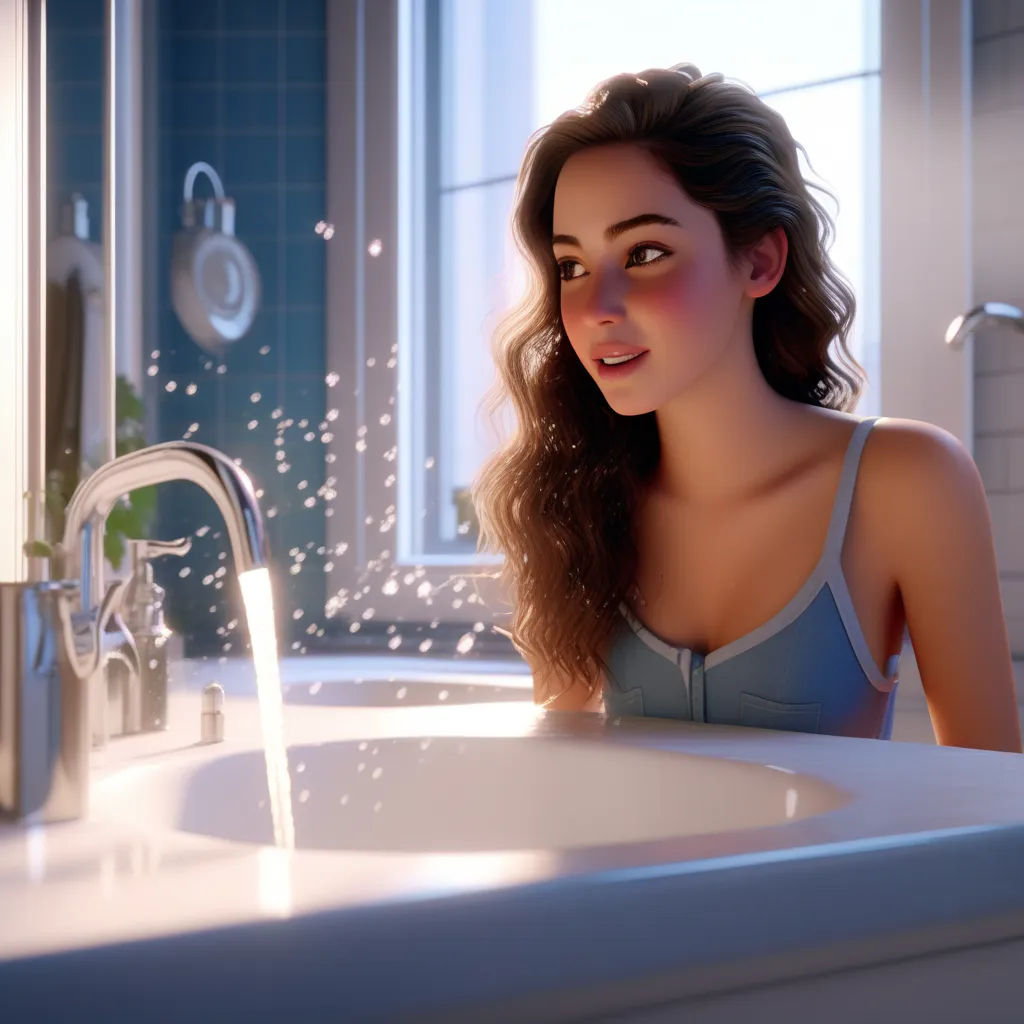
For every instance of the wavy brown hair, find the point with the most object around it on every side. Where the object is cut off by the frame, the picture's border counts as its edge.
(559, 497)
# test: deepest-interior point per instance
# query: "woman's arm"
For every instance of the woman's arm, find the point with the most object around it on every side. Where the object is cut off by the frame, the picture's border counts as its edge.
(940, 530)
(573, 694)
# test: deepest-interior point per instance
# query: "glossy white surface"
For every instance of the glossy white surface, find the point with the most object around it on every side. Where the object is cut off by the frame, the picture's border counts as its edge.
(465, 795)
(919, 844)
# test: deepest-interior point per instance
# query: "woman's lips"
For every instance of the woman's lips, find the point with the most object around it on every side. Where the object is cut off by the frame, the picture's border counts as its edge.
(615, 371)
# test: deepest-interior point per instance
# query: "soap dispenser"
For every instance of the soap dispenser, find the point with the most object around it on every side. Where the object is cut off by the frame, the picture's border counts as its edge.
(144, 616)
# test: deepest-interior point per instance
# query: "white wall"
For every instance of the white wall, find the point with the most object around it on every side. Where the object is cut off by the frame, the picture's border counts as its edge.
(998, 258)
(13, 287)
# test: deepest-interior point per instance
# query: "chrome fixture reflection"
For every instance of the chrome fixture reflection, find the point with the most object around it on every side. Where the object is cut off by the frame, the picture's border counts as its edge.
(990, 314)
(52, 633)
(215, 283)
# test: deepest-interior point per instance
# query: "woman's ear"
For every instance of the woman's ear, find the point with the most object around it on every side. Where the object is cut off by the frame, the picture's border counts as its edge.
(767, 262)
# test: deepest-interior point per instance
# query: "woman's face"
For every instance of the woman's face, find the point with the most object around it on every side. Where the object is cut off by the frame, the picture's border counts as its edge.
(661, 285)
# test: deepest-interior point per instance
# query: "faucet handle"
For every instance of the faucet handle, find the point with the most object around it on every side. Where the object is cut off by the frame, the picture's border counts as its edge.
(144, 550)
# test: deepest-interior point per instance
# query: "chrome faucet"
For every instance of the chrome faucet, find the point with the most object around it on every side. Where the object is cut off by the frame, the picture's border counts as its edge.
(51, 634)
(989, 314)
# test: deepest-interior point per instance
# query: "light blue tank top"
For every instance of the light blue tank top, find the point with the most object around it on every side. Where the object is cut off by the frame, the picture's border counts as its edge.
(807, 669)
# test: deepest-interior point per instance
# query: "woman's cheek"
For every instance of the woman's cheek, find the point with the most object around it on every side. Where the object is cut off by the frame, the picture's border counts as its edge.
(680, 302)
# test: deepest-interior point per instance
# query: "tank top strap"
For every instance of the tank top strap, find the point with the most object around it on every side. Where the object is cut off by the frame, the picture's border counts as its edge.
(844, 493)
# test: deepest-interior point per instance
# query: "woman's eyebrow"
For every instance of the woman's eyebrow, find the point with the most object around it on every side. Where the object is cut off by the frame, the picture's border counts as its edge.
(613, 232)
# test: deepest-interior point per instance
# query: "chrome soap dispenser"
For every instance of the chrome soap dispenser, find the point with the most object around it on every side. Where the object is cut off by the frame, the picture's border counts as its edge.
(144, 616)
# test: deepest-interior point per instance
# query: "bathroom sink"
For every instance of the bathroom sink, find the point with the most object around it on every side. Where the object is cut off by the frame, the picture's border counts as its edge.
(464, 794)
(381, 693)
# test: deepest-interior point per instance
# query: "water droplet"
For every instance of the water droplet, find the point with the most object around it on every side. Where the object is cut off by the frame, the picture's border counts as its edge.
(385, 419)
(375, 248)
(255, 396)
(153, 371)
(303, 796)
(309, 502)
(371, 362)
(171, 385)
(253, 424)
(297, 614)
(191, 389)
(395, 642)
(332, 378)
(465, 643)
(390, 586)
(429, 464)
(443, 695)
(184, 572)
(264, 350)
(400, 695)
(360, 445)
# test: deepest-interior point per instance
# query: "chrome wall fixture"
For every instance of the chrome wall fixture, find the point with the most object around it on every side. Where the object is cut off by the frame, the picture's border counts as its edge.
(989, 314)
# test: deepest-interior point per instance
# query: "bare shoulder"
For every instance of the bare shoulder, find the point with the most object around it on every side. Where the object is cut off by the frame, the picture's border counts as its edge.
(924, 485)
(932, 513)
(928, 452)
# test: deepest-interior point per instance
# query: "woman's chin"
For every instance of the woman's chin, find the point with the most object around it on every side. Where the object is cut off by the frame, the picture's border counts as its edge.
(631, 405)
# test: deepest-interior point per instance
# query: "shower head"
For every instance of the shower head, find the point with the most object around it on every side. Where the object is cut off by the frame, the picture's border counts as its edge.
(988, 315)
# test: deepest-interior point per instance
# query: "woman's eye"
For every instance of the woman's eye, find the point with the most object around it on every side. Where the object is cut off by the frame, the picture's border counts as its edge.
(562, 269)
(647, 248)
(564, 265)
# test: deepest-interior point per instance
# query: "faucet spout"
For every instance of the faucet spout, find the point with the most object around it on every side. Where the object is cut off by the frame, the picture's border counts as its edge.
(230, 488)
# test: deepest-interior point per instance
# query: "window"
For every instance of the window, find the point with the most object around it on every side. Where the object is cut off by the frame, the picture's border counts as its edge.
(427, 127)
(479, 76)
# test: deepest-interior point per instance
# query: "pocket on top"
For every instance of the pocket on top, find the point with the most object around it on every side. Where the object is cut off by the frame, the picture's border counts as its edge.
(761, 713)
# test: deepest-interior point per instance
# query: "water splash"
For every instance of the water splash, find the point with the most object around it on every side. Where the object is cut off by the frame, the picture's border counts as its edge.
(259, 609)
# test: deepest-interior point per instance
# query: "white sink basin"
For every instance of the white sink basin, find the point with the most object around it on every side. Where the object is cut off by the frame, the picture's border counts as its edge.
(465, 794)
(383, 693)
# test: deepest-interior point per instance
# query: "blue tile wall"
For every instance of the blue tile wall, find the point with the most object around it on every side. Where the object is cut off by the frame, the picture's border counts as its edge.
(74, 137)
(242, 87)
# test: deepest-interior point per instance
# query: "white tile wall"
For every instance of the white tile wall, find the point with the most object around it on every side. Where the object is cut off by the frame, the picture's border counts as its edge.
(998, 230)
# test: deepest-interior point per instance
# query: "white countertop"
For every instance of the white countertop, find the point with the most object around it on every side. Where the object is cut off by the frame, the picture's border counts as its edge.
(128, 923)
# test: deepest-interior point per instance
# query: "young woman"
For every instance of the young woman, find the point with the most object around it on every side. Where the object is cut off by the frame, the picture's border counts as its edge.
(695, 524)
